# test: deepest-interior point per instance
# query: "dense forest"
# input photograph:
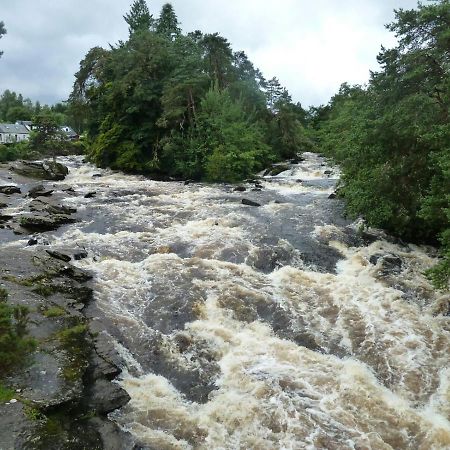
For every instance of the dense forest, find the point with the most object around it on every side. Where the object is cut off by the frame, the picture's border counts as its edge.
(183, 105)
(392, 137)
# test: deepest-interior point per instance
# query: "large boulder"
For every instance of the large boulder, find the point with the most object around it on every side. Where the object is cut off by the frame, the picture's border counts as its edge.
(44, 170)
(45, 223)
(9, 190)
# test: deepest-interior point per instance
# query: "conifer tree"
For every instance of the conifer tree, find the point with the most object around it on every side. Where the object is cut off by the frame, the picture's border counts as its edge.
(2, 32)
(139, 17)
(167, 25)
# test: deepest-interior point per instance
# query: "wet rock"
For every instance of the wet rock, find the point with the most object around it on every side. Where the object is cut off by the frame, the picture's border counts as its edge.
(328, 172)
(3, 205)
(80, 255)
(45, 223)
(90, 195)
(248, 202)
(389, 264)
(5, 218)
(45, 382)
(97, 175)
(256, 190)
(240, 189)
(276, 169)
(332, 196)
(106, 397)
(32, 241)
(112, 437)
(267, 259)
(9, 190)
(297, 160)
(46, 170)
(16, 427)
(39, 191)
(58, 255)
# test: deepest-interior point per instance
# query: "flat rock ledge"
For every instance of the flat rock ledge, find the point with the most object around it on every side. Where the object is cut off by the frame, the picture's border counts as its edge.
(63, 391)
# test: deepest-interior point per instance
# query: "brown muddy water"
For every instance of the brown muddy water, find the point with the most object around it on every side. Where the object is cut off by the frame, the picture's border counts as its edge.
(273, 327)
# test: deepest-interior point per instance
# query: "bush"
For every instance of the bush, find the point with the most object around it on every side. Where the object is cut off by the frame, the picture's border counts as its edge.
(14, 345)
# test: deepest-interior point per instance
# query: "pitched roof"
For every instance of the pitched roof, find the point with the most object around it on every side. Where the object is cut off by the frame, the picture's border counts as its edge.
(13, 128)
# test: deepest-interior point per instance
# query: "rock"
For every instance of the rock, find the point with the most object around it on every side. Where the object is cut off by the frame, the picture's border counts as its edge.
(3, 205)
(90, 195)
(5, 218)
(45, 223)
(105, 397)
(332, 196)
(240, 189)
(278, 168)
(80, 255)
(32, 241)
(389, 264)
(256, 190)
(299, 181)
(328, 172)
(297, 160)
(39, 191)
(247, 202)
(9, 190)
(16, 427)
(46, 170)
(58, 255)
(75, 273)
(97, 175)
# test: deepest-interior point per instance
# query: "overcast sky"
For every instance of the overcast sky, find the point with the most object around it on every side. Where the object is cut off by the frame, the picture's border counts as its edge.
(312, 46)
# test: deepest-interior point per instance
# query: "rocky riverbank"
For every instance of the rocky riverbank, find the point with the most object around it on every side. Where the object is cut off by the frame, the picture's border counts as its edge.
(60, 395)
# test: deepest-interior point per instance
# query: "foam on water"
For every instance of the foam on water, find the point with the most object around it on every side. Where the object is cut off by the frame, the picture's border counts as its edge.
(203, 291)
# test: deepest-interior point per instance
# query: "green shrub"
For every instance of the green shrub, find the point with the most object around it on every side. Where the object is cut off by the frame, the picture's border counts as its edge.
(14, 345)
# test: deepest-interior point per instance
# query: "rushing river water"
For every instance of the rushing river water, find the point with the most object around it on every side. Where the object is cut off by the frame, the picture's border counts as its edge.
(273, 327)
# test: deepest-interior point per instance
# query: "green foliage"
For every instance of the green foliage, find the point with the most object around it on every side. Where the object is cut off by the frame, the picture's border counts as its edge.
(14, 345)
(167, 24)
(54, 311)
(392, 139)
(6, 394)
(2, 32)
(139, 18)
(165, 103)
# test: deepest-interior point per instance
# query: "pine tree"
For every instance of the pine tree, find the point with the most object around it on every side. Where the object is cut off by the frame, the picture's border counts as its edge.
(2, 32)
(139, 17)
(167, 24)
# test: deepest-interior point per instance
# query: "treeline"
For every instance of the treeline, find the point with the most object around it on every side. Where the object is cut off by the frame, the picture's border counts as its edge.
(392, 137)
(14, 107)
(182, 105)
(46, 139)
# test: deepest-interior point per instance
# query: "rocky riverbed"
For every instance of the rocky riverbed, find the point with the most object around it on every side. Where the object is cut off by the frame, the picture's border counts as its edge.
(61, 394)
(253, 316)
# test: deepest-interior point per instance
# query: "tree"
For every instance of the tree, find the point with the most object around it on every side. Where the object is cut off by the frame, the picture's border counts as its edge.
(274, 92)
(2, 33)
(167, 25)
(392, 138)
(47, 136)
(218, 58)
(139, 17)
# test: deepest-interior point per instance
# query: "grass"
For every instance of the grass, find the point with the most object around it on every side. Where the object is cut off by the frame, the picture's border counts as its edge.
(54, 311)
(6, 394)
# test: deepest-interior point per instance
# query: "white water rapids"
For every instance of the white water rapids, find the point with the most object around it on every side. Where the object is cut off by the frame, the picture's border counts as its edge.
(278, 327)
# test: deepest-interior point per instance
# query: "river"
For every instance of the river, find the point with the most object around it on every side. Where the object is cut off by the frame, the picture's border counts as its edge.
(283, 326)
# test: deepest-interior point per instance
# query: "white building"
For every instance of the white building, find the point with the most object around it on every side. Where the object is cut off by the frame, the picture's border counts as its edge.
(13, 132)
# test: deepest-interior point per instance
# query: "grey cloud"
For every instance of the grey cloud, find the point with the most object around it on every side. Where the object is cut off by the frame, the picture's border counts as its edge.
(311, 46)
